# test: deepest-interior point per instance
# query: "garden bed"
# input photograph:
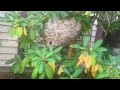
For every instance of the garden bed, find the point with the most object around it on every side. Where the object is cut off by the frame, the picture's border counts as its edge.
(8, 75)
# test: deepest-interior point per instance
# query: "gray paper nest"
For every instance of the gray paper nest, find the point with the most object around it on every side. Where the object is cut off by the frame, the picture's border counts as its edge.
(61, 32)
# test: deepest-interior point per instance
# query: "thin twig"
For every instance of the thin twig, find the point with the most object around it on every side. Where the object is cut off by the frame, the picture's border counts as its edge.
(111, 19)
(42, 36)
(37, 40)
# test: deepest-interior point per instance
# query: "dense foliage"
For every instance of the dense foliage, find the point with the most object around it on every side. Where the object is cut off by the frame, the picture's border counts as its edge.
(76, 61)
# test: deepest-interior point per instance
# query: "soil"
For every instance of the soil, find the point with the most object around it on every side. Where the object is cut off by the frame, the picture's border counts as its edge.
(7, 75)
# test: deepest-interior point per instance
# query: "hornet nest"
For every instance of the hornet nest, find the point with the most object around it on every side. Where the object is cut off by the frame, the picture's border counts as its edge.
(61, 32)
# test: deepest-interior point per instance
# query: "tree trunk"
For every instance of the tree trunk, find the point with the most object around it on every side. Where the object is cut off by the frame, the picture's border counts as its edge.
(20, 51)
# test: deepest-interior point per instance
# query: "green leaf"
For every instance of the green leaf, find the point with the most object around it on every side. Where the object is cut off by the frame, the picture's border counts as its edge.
(77, 46)
(57, 50)
(42, 75)
(10, 61)
(41, 67)
(22, 43)
(21, 70)
(64, 78)
(32, 22)
(50, 48)
(118, 67)
(12, 67)
(19, 31)
(35, 58)
(31, 56)
(35, 72)
(51, 60)
(38, 53)
(70, 63)
(12, 32)
(35, 62)
(93, 60)
(57, 56)
(117, 58)
(15, 67)
(86, 40)
(31, 51)
(101, 49)
(77, 78)
(32, 35)
(36, 47)
(97, 44)
(49, 71)
(66, 71)
(23, 24)
(77, 72)
(11, 18)
(44, 51)
(15, 26)
(78, 18)
(84, 53)
(100, 69)
(16, 21)
(63, 14)
(101, 75)
(49, 54)
(25, 61)
(70, 68)
(111, 58)
(93, 53)
(84, 27)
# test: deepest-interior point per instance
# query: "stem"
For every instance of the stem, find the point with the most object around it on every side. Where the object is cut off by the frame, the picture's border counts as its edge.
(62, 55)
(43, 39)
(102, 27)
(37, 40)
(110, 22)
(107, 17)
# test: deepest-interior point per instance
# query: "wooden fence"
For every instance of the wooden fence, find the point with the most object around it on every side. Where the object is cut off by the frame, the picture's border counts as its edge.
(9, 45)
